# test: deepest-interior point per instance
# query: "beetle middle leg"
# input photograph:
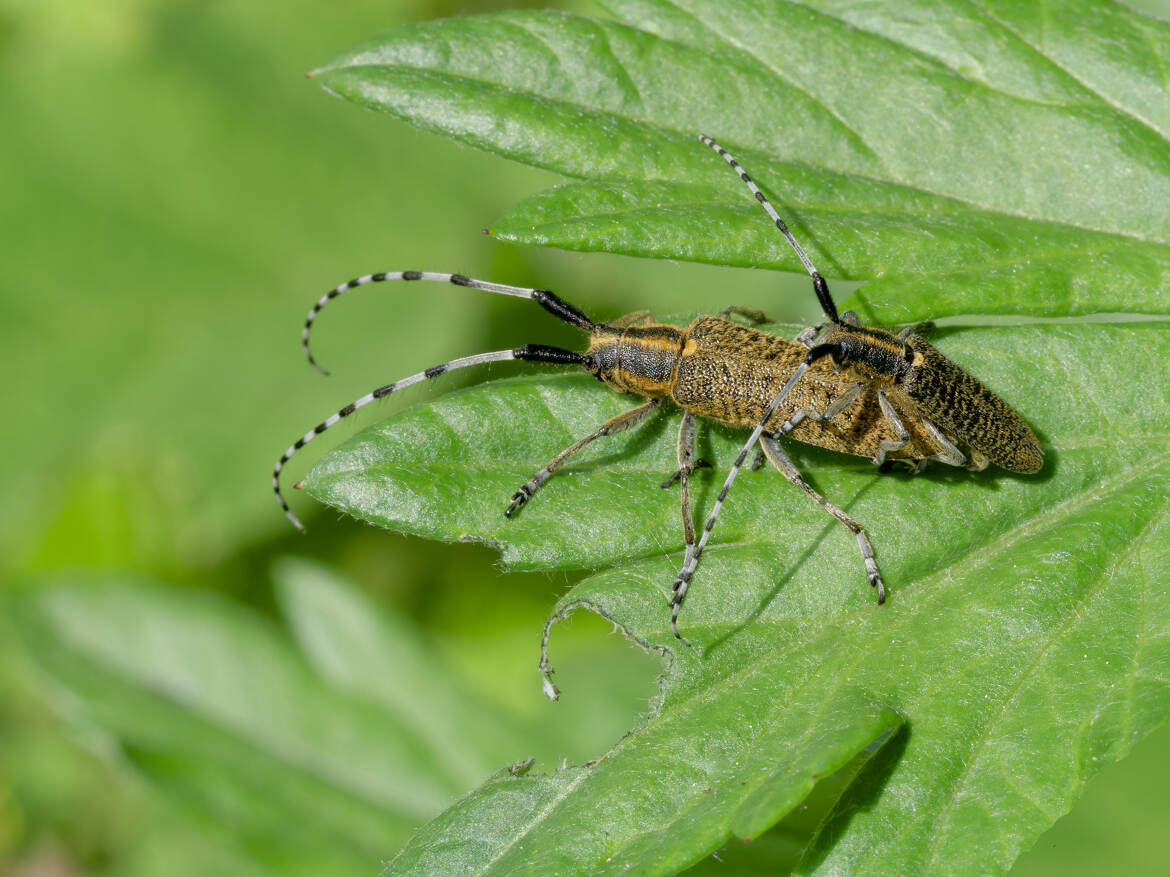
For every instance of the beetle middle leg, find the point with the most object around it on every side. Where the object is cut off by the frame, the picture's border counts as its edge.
(895, 422)
(618, 423)
(686, 465)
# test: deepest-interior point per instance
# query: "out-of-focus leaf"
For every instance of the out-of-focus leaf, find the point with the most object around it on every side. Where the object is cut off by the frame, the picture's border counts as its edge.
(312, 774)
(360, 647)
(170, 211)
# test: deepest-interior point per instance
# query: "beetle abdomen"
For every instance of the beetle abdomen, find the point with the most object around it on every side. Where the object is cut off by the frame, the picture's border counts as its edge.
(953, 400)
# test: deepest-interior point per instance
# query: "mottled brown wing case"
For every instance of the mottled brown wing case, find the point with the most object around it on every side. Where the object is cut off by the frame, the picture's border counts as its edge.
(731, 373)
(963, 406)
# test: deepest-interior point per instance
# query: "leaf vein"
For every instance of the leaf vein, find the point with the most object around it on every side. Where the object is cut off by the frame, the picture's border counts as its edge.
(1106, 100)
(1057, 636)
(732, 43)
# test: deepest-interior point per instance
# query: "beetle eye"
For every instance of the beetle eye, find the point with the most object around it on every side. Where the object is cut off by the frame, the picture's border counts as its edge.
(909, 355)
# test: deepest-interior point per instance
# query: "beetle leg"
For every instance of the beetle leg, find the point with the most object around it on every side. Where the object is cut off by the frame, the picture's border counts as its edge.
(915, 329)
(751, 313)
(619, 423)
(950, 455)
(779, 459)
(682, 581)
(895, 423)
(808, 335)
(686, 465)
(839, 404)
(637, 318)
(677, 473)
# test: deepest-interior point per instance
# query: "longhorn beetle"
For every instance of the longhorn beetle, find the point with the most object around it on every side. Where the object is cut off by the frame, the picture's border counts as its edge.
(840, 385)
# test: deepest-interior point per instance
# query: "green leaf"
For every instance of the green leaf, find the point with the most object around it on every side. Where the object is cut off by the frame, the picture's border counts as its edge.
(579, 821)
(1022, 640)
(986, 159)
(990, 159)
(312, 774)
(363, 649)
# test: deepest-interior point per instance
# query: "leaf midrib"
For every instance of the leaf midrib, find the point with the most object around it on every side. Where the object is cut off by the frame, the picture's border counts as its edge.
(540, 815)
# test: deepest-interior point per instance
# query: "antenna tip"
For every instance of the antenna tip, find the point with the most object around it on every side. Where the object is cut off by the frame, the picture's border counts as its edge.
(550, 690)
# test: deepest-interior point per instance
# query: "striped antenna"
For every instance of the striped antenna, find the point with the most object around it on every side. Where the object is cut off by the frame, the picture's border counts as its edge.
(531, 352)
(558, 308)
(691, 560)
(819, 285)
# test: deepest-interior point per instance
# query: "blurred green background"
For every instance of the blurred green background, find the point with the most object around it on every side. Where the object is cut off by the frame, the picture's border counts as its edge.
(175, 196)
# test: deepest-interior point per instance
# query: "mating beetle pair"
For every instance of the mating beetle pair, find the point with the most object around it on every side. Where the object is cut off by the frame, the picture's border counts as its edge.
(860, 390)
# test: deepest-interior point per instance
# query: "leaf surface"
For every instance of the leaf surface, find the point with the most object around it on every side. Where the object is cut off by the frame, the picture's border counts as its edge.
(964, 158)
(1022, 641)
(312, 772)
(958, 157)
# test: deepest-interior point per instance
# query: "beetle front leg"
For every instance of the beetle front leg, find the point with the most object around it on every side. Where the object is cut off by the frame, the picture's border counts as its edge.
(619, 423)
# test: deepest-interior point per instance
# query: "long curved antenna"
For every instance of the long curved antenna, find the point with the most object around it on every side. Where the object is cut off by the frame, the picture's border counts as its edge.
(532, 352)
(560, 309)
(819, 285)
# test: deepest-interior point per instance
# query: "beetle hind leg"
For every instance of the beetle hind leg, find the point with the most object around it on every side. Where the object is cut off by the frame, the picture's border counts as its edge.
(785, 467)
(895, 422)
(950, 454)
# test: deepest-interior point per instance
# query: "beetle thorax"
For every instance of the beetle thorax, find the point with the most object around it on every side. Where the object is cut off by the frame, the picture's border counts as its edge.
(638, 359)
(873, 353)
